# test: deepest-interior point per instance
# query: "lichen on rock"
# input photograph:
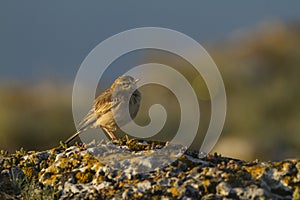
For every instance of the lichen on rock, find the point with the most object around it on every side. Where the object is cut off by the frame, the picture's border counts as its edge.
(78, 172)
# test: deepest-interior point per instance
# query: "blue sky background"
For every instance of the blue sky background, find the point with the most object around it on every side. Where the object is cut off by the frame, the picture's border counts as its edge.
(51, 38)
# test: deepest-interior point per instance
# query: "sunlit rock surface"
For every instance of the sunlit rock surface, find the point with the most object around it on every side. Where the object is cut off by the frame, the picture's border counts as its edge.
(137, 169)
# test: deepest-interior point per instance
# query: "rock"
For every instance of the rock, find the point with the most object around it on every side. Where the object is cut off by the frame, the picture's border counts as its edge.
(144, 186)
(223, 189)
(139, 170)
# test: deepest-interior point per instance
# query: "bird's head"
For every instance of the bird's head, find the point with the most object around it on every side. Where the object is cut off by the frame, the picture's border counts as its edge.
(125, 83)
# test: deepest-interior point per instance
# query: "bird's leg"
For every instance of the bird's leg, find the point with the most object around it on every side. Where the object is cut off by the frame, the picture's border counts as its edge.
(110, 134)
(101, 142)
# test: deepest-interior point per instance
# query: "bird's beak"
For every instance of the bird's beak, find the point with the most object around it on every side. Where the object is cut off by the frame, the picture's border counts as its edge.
(137, 80)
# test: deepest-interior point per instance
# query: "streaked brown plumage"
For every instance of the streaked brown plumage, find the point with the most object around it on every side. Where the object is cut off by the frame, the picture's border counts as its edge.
(112, 101)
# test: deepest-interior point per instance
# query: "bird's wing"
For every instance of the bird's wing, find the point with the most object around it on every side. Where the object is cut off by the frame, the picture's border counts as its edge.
(87, 121)
(102, 104)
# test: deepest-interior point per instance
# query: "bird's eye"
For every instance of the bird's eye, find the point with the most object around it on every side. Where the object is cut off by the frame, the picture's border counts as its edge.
(125, 85)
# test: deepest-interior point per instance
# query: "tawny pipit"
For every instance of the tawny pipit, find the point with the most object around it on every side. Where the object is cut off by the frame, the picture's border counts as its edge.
(109, 105)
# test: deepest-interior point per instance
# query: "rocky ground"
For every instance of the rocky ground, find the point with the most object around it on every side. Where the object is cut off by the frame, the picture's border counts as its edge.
(132, 169)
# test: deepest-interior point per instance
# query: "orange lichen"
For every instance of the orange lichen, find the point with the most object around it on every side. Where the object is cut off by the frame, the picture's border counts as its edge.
(174, 192)
(256, 171)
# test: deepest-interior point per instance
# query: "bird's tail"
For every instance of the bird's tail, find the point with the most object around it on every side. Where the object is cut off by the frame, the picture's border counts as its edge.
(85, 124)
(70, 139)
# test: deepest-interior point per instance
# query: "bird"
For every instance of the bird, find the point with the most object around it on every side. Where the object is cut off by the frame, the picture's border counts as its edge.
(110, 105)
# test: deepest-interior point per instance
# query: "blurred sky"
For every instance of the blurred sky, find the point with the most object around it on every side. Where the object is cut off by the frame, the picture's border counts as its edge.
(51, 38)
